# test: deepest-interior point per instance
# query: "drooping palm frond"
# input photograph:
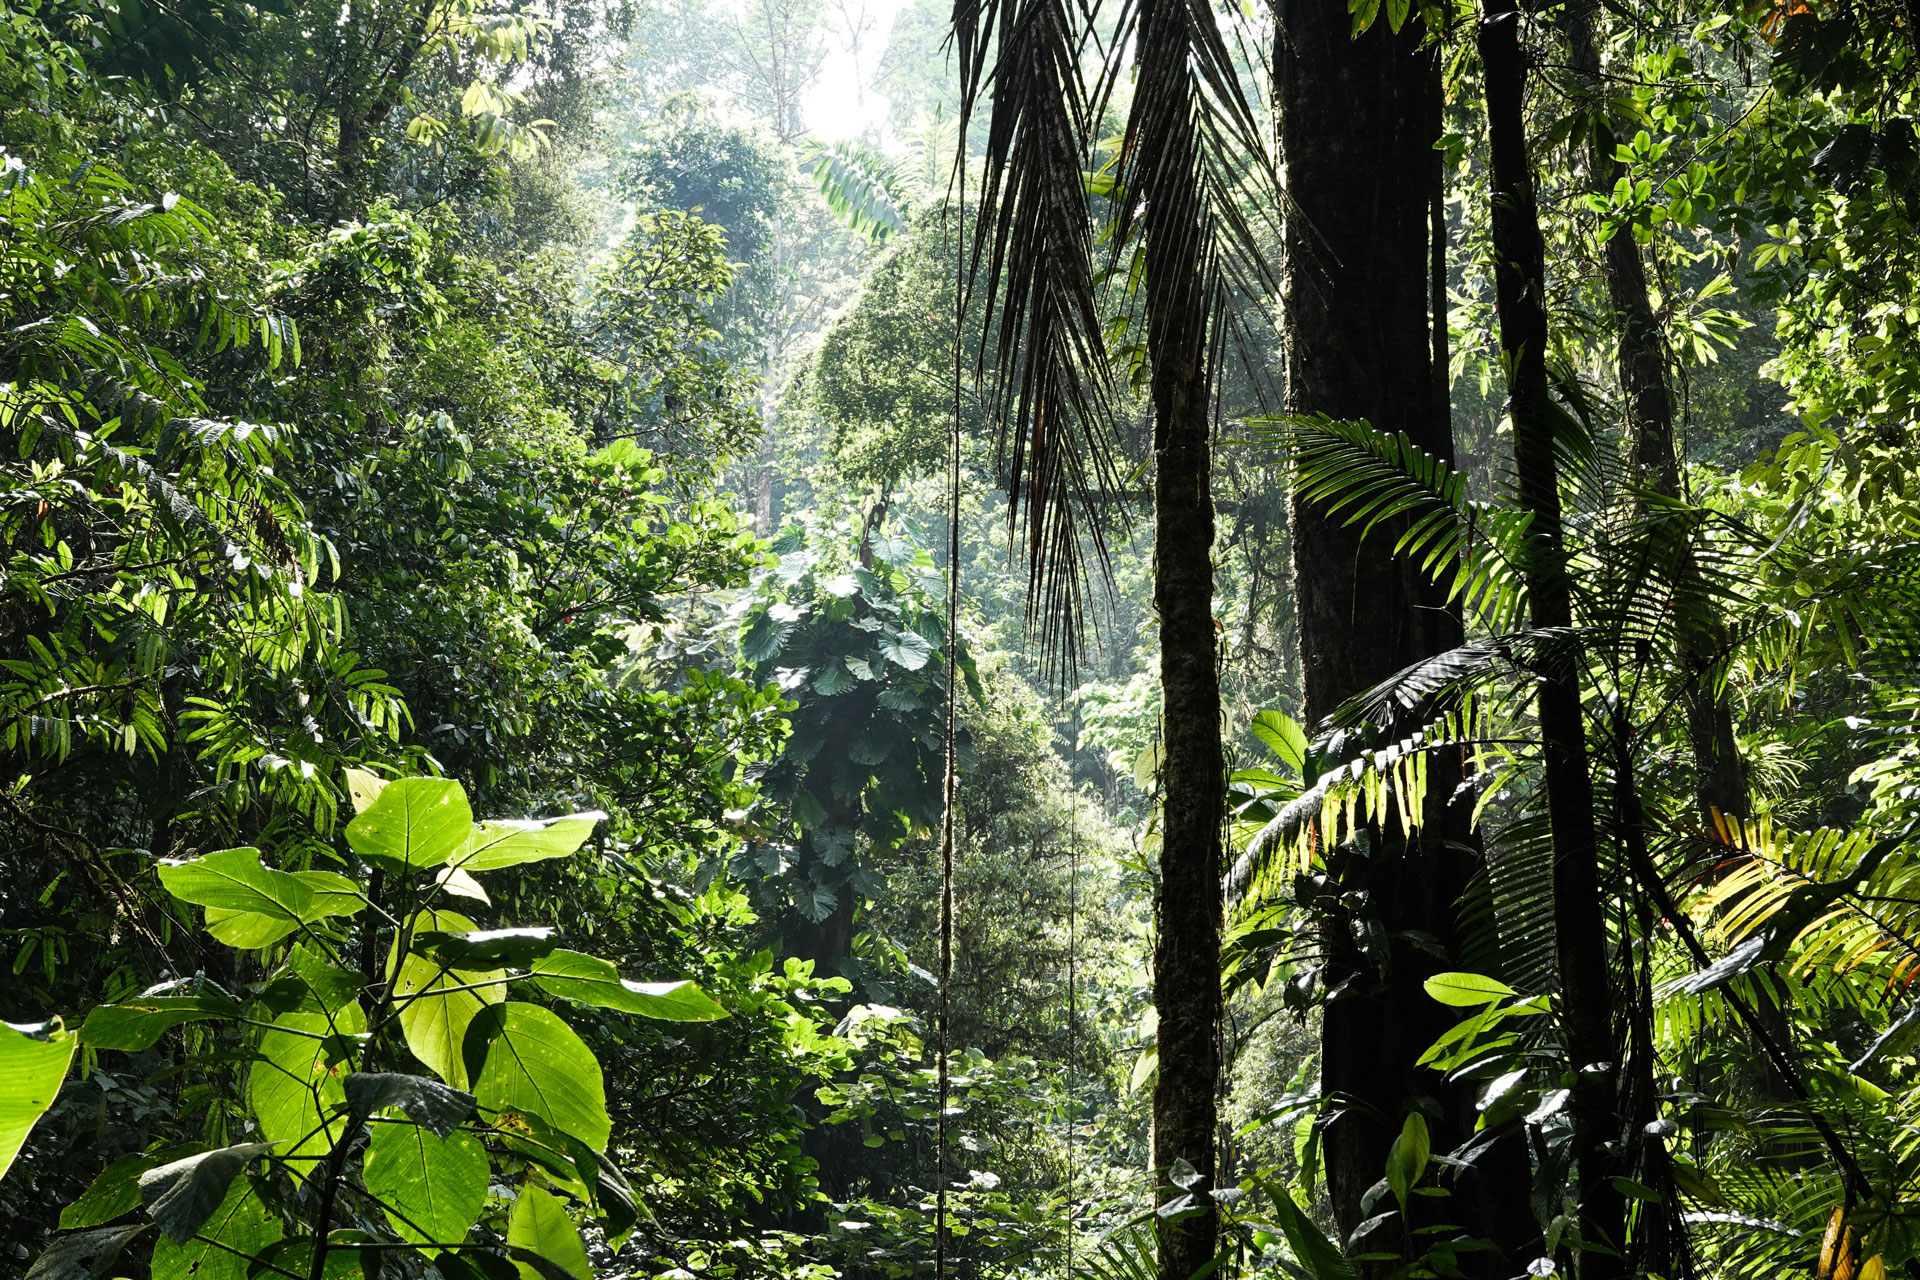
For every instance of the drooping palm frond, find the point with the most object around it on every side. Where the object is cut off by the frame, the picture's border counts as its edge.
(1032, 254)
(1178, 243)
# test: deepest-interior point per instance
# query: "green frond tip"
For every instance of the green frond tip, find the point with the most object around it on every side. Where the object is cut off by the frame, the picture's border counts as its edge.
(862, 187)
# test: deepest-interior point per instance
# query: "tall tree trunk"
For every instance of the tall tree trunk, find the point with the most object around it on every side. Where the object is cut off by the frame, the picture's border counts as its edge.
(1586, 998)
(1363, 300)
(1720, 774)
(1186, 958)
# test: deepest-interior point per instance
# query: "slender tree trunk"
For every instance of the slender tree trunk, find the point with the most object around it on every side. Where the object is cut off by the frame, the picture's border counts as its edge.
(1186, 969)
(1363, 294)
(1586, 998)
(1720, 774)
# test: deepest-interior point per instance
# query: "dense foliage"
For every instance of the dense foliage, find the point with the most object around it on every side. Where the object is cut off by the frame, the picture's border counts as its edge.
(1435, 707)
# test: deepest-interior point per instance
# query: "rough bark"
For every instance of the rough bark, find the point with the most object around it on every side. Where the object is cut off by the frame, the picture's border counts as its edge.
(1193, 773)
(1363, 300)
(1586, 998)
(1720, 774)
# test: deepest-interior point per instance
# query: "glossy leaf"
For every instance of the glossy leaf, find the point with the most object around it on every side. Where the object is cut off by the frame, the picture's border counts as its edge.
(433, 1188)
(534, 1062)
(33, 1062)
(539, 1224)
(413, 823)
(137, 1024)
(1464, 990)
(437, 1004)
(501, 843)
(591, 980)
(235, 880)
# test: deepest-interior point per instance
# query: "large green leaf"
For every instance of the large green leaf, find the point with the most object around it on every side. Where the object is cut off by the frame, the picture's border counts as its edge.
(183, 1194)
(430, 1103)
(241, 1223)
(906, 649)
(535, 1063)
(85, 1255)
(505, 843)
(234, 880)
(413, 823)
(1465, 990)
(247, 930)
(432, 1188)
(333, 895)
(437, 1005)
(295, 1085)
(591, 980)
(539, 1224)
(516, 947)
(33, 1062)
(137, 1024)
(117, 1189)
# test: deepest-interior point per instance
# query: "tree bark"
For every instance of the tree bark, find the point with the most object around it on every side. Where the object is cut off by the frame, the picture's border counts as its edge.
(1363, 303)
(1186, 970)
(1586, 998)
(1720, 775)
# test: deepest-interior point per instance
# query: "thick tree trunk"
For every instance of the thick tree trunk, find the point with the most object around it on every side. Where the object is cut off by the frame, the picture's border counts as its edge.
(1586, 999)
(1363, 298)
(1720, 774)
(1186, 960)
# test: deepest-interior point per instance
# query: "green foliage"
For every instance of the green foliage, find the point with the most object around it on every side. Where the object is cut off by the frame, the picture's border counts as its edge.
(330, 1049)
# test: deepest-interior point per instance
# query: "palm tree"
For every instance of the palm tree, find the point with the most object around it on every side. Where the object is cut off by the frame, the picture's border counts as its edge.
(1189, 138)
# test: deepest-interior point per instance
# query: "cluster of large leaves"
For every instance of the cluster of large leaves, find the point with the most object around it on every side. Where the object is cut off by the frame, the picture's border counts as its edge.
(859, 647)
(336, 1105)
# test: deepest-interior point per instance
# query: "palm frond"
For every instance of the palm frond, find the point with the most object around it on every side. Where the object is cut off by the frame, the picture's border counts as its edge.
(862, 187)
(1032, 252)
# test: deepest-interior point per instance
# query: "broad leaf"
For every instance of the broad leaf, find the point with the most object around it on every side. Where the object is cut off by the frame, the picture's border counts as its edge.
(430, 1103)
(247, 930)
(33, 1062)
(907, 649)
(503, 843)
(437, 1004)
(591, 980)
(117, 1189)
(234, 880)
(516, 947)
(364, 788)
(241, 1223)
(533, 1062)
(539, 1224)
(295, 1085)
(1284, 736)
(1464, 990)
(138, 1023)
(433, 1188)
(413, 823)
(182, 1195)
(84, 1255)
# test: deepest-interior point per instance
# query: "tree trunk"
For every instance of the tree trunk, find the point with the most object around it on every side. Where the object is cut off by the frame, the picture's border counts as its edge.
(1720, 775)
(1363, 300)
(1186, 969)
(1586, 1002)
